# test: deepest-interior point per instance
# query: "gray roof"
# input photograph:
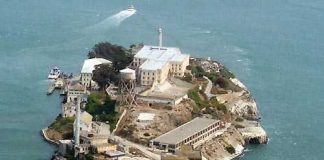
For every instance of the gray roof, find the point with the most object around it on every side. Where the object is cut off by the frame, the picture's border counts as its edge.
(89, 64)
(161, 53)
(186, 130)
(153, 65)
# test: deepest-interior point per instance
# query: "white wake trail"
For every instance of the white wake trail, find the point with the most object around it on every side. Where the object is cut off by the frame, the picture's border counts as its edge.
(112, 21)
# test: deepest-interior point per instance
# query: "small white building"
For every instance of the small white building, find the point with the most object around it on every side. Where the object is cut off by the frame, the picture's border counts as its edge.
(74, 91)
(145, 117)
(88, 67)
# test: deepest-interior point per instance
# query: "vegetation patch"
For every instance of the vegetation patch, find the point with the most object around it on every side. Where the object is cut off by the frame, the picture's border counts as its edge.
(239, 119)
(195, 96)
(120, 57)
(64, 126)
(103, 109)
(230, 149)
(215, 104)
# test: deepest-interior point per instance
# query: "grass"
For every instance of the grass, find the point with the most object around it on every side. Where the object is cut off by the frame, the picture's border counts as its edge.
(63, 125)
(195, 96)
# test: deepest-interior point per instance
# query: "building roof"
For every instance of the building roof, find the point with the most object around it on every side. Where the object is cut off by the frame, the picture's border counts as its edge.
(89, 64)
(127, 70)
(153, 64)
(77, 87)
(86, 117)
(114, 153)
(146, 117)
(161, 53)
(186, 130)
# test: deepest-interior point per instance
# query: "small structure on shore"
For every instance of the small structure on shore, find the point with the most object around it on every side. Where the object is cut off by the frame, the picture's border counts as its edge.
(145, 117)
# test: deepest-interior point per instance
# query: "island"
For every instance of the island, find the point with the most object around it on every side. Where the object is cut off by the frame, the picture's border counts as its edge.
(153, 102)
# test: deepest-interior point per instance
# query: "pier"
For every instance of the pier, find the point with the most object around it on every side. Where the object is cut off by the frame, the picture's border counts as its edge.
(51, 88)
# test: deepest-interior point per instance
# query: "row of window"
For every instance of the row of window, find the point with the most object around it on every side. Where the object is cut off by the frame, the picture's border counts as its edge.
(148, 73)
(200, 133)
(148, 78)
(75, 93)
(176, 65)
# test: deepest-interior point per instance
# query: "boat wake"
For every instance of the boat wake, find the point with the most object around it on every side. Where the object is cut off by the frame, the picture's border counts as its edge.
(112, 21)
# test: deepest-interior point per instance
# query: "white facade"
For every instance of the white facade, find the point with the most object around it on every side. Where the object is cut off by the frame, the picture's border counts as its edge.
(191, 133)
(88, 67)
(156, 63)
(74, 91)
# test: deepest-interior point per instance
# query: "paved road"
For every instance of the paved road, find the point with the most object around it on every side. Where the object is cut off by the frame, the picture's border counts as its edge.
(208, 88)
(139, 147)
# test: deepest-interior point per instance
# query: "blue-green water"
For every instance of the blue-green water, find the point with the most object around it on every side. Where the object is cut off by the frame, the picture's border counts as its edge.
(274, 46)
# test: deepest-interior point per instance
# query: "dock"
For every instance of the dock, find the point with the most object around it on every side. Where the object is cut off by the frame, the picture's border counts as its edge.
(51, 88)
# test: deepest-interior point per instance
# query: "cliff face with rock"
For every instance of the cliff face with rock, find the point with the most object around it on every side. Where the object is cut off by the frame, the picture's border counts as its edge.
(240, 111)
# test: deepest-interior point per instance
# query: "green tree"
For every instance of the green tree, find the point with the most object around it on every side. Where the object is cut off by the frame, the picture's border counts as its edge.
(105, 74)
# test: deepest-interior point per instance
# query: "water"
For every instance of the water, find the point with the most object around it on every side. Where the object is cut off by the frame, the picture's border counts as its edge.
(274, 46)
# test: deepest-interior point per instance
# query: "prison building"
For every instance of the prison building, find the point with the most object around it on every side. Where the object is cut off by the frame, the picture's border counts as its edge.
(192, 133)
(156, 63)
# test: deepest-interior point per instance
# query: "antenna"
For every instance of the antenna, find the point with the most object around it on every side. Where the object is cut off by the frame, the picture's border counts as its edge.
(160, 37)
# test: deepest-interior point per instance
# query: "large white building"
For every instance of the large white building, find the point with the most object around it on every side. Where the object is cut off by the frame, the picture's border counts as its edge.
(88, 67)
(155, 63)
(191, 133)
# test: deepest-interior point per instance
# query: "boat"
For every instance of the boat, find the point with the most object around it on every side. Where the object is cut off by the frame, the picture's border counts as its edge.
(131, 8)
(54, 73)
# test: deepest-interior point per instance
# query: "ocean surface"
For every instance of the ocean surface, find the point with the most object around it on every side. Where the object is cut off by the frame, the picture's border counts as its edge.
(275, 47)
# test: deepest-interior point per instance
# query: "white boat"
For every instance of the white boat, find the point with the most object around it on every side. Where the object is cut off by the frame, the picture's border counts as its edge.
(131, 8)
(54, 73)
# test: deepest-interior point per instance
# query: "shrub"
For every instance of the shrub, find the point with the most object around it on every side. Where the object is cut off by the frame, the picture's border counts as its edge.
(222, 82)
(197, 71)
(187, 77)
(222, 107)
(239, 126)
(239, 119)
(224, 72)
(230, 149)
(194, 95)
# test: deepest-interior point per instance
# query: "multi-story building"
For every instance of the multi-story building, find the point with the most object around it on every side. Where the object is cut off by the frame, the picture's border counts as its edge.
(88, 67)
(155, 64)
(191, 133)
(74, 91)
